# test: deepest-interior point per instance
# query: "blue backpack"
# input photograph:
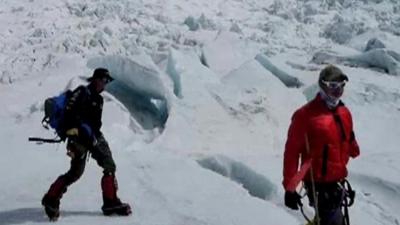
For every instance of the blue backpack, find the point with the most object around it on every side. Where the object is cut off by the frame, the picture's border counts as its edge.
(54, 110)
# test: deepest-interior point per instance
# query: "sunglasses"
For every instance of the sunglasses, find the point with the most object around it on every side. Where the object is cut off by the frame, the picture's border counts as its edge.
(334, 84)
(106, 80)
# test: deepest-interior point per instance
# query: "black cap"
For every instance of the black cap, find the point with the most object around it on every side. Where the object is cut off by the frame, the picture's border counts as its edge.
(100, 73)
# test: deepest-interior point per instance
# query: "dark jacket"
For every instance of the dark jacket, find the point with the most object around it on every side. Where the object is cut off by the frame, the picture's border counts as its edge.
(83, 111)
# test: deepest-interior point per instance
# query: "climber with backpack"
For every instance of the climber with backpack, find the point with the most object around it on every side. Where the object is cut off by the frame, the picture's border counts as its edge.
(76, 117)
(321, 137)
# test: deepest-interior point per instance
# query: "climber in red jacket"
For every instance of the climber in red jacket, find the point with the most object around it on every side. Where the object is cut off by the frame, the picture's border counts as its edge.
(321, 133)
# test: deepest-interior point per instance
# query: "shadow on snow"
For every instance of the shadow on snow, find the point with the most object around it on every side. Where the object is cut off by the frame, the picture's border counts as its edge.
(27, 215)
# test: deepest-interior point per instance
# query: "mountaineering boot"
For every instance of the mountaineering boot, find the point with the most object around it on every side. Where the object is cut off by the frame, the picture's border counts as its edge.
(116, 207)
(51, 200)
(111, 203)
(51, 207)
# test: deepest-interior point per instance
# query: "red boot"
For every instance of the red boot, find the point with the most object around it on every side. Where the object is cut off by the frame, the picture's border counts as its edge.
(51, 200)
(111, 203)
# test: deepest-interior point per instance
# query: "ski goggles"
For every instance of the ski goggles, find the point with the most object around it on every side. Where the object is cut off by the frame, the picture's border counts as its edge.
(334, 84)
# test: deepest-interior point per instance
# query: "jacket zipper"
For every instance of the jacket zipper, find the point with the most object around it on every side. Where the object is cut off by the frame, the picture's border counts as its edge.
(324, 160)
(338, 120)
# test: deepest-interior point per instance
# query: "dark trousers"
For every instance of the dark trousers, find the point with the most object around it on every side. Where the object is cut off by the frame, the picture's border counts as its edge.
(330, 197)
(100, 152)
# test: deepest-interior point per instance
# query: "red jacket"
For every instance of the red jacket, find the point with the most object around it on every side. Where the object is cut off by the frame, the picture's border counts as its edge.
(330, 138)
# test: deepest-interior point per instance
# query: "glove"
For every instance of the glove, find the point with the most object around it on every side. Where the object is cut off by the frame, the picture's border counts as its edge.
(83, 129)
(292, 200)
(72, 132)
(84, 132)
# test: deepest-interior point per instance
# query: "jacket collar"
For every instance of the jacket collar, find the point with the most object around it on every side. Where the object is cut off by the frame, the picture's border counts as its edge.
(92, 89)
(323, 103)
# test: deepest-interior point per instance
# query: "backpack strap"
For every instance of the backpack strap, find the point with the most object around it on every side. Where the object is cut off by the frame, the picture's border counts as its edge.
(46, 122)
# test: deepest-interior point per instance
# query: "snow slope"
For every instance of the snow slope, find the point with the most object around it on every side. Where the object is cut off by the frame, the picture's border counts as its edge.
(198, 114)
